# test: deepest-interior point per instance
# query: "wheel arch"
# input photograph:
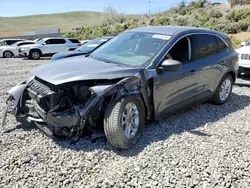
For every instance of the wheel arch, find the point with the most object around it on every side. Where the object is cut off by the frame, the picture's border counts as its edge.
(233, 74)
(35, 49)
(129, 86)
(8, 51)
(229, 72)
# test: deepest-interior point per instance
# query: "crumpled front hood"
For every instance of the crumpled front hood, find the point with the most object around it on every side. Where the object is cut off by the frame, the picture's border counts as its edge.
(78, 68)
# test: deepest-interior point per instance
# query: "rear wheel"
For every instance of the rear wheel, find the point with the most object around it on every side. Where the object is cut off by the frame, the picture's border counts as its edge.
(124, 121)
(35, 54)
(8, 54)
(223, 91)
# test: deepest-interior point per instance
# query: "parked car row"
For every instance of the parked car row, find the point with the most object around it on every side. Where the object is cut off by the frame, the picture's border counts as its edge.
(85, 49)
(141, 74)
(47, 47)
(12, 50)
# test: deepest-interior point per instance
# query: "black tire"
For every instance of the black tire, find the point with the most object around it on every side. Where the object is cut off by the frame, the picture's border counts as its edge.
(216, 98)
(238, 74)
(112, 122)
(8, 54)
(35, 54)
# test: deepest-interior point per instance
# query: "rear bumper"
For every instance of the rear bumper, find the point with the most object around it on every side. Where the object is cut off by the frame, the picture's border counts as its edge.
(23, 53)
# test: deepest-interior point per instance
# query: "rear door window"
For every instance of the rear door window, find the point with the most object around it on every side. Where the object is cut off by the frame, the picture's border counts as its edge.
(207, 45)
(59, 41)
(49, 41)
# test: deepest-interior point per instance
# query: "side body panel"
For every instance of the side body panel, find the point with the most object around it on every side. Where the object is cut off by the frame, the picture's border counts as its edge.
(174, 90)
(195, 82)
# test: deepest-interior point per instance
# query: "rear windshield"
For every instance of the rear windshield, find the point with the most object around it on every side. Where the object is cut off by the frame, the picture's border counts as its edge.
(74, 41)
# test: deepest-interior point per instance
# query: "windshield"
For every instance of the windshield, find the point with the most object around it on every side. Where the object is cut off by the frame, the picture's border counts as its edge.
(131, 48)
(248, 43)
(2, 43)
(91, 45)
(40, 41)
(14, 45)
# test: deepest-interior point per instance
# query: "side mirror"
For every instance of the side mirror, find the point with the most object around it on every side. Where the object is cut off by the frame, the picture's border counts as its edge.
(170, 65)
(243, 44)
(44, 43)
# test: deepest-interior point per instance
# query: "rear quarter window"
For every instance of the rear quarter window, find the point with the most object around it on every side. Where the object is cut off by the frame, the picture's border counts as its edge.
(74, 41)
(208, 45)
(221, 45)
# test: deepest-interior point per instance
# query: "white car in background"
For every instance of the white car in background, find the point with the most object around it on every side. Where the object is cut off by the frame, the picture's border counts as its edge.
(8, 42)
(244, 58)
(48, 47)
(12, 50)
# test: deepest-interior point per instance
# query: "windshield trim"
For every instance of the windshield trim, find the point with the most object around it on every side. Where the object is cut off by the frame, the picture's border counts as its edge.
(40, 41)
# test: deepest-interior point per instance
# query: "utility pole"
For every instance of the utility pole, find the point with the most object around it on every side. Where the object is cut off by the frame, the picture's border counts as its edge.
(149, 11)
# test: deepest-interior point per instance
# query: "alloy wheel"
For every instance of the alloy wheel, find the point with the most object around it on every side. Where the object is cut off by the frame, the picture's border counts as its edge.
(130, 120)
(225, 89)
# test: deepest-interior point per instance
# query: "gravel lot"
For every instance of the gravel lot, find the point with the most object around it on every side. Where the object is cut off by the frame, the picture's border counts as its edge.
(206, 146)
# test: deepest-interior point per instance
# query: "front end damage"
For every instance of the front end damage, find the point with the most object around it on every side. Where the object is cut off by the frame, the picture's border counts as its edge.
(68, 109)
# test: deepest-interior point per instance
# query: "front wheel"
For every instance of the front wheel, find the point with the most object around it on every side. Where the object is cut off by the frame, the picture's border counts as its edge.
(35, 54)
(223, 91)
(124, 121)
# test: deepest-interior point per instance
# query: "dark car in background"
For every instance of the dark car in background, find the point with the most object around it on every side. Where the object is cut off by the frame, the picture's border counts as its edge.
(85, 49)
(141, 74)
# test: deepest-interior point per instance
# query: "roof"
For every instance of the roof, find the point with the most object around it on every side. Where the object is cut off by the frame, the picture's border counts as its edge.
(46, 38)
(170, 30)
(24, 41)
(10, 39)
(106, 37)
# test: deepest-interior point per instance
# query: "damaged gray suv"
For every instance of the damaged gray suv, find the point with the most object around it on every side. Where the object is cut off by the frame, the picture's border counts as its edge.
(139, 75)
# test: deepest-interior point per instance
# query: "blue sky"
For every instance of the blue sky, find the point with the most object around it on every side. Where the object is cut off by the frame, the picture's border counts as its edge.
(10, 8)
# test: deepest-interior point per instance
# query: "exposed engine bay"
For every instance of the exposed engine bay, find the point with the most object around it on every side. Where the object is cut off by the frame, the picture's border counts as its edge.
(68, 109)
